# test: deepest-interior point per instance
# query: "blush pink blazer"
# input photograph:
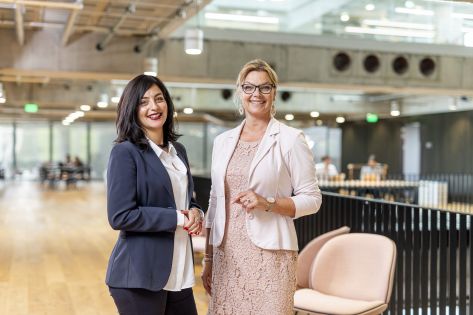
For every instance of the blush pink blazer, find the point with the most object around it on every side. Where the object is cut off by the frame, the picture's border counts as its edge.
(283, 166)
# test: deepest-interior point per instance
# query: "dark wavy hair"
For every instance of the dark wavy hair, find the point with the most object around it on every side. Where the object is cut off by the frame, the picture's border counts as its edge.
(128, 126)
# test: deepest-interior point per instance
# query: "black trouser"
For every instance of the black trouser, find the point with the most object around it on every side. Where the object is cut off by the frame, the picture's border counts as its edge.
(146, 302)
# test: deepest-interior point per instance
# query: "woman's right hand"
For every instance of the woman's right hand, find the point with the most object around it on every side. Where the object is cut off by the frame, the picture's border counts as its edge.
(207, 276)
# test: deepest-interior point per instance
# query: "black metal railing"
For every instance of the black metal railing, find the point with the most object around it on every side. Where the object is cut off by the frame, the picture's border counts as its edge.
(443, 191)
(433, 272)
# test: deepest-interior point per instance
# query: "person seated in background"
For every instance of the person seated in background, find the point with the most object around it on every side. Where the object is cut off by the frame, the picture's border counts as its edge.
(68, 161)
(325, 169)
(77, 162)
(78, 167)
(372, 171)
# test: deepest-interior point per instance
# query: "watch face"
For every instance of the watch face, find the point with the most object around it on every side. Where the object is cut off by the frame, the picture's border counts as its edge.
(271, 199)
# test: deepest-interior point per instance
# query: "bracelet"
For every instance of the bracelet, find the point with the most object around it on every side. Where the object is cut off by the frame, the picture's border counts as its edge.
(208, 259)
(201, 214)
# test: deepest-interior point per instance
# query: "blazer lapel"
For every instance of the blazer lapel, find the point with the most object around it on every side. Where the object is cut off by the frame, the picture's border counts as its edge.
(154, 163)
(190, 188)
(265, 145)
(227, 150)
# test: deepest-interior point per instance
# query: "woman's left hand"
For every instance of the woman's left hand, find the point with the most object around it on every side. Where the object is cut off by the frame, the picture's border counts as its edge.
(250, 201)
(194, 221)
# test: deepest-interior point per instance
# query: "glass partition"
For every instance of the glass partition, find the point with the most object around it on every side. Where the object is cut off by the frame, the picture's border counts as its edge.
(102, 136)
(6, 150)
(32, 148)
(70, 140)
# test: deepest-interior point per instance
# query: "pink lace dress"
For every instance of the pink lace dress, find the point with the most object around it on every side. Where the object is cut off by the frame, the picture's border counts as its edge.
(248, 280)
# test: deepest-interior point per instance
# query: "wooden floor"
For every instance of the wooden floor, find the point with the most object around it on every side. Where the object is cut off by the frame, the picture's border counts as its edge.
(54, 247)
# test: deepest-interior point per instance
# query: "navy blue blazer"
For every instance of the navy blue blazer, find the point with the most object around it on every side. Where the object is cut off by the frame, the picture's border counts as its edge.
(140, 203)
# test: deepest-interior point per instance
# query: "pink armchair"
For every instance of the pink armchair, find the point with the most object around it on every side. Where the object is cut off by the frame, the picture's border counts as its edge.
(309, 252)
(352, 274)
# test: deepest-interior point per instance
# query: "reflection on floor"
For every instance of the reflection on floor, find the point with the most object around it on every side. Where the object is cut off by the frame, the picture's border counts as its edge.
(54, 247)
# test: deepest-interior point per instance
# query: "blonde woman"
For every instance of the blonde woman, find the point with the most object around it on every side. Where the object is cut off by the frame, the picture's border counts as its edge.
(263, 177)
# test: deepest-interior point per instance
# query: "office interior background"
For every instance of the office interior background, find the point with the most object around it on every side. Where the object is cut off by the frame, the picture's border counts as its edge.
(388, 78)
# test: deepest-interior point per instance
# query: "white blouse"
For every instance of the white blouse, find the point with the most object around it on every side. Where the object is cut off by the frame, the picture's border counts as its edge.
(182, 270)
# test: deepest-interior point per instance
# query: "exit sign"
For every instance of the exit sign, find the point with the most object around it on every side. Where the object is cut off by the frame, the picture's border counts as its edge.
(371, 118)
(31, 108)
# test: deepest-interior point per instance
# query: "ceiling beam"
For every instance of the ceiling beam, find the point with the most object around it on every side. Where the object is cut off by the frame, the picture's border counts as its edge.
(70, 24)
(99, 9)
(24, 79)
(175, 21)
(77, 28)
(20, 31)
(46, 4)
(130, 9)
(365, 88)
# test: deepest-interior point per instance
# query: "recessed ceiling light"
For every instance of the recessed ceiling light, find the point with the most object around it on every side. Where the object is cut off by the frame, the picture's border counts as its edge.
(188, 110)
(242, 18)
(80, 113)
(369, 7)
(314, 114)
(344, 17)
(289, 117)
(340, 119)
(414, 11)
(409, 4)
(85, 108)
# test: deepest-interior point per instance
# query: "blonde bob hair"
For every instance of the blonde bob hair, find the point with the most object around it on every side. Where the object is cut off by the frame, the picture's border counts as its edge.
(257, 65)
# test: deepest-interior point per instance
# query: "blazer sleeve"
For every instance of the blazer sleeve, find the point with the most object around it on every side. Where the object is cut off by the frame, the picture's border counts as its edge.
(307, 197)
(210, 214)
(124, 212)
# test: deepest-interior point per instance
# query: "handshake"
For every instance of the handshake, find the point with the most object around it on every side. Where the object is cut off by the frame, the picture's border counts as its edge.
(193, 219)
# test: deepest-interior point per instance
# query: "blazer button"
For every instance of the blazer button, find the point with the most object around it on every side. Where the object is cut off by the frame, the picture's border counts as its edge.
(251, 216)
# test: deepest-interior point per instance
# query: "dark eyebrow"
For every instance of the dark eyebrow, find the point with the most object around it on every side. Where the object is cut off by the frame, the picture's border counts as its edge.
(146, 97)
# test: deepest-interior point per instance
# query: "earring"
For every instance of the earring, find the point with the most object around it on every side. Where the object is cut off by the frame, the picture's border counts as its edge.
(239, 105)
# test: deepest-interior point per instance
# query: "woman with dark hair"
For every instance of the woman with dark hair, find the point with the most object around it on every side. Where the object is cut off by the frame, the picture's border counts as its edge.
(149, 199)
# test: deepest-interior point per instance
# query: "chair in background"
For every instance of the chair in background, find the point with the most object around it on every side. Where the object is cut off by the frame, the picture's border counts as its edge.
(354, 171)
(351, 274)
(309, 252)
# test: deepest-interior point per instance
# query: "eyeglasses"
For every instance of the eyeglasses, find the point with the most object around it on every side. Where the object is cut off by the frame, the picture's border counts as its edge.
(251, 88)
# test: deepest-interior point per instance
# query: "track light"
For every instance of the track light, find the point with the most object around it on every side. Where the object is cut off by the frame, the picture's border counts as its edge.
(3, 99)
(151, 66)
(289, 117)
(103, 103)
(194, 41)
(85, 108)
(395, 109)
